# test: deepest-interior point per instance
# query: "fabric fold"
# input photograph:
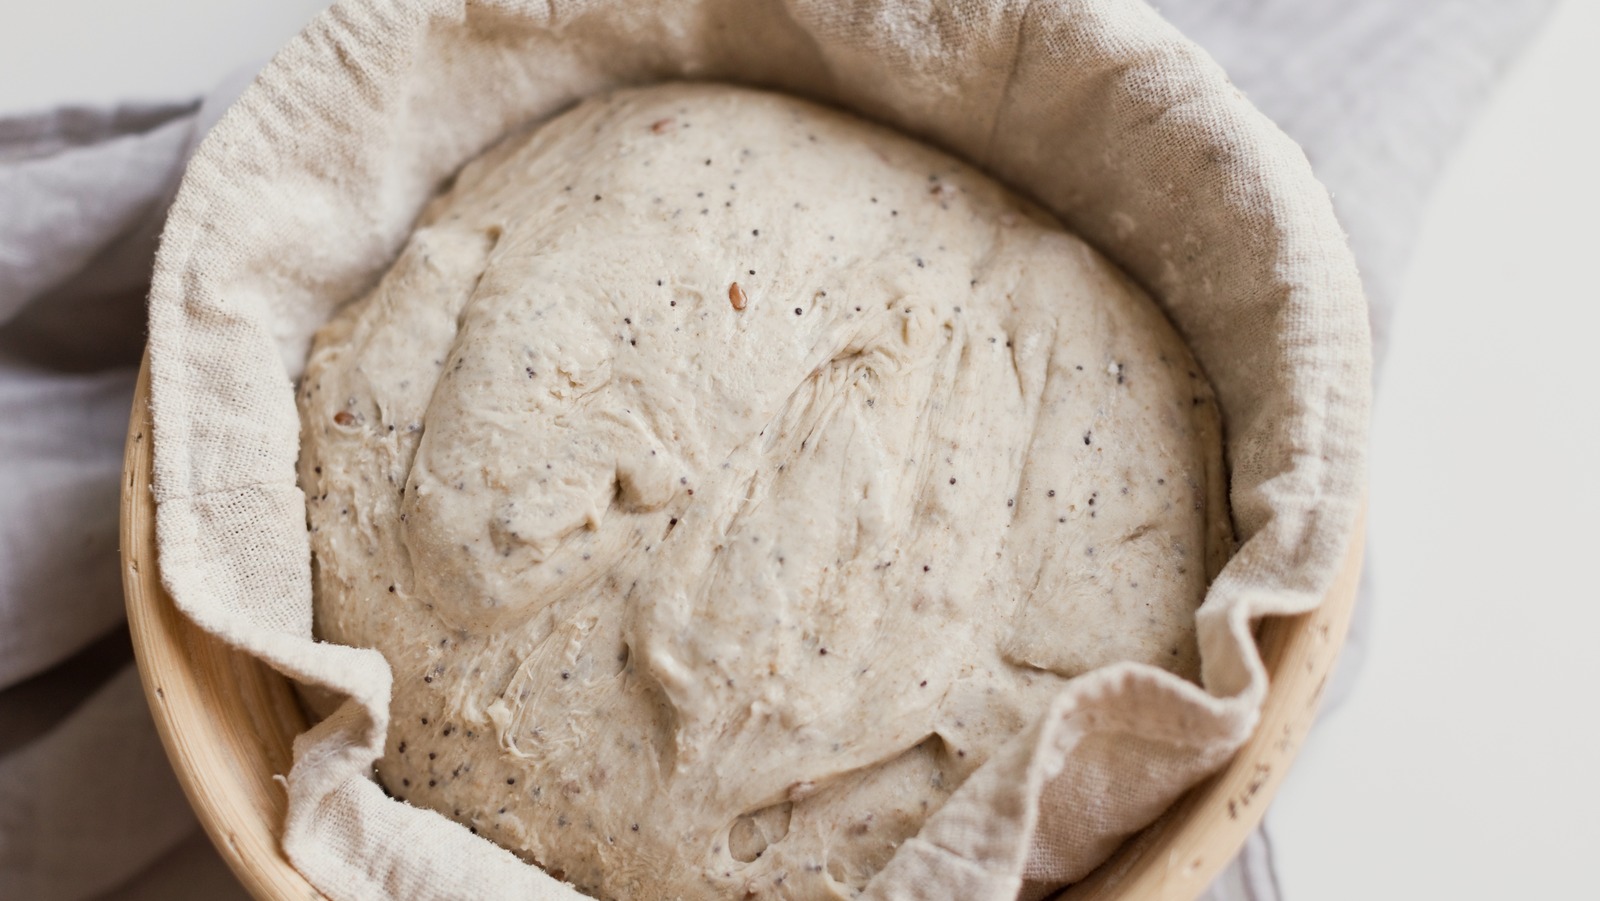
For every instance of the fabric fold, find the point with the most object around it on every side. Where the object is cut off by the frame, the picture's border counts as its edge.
(51, 817)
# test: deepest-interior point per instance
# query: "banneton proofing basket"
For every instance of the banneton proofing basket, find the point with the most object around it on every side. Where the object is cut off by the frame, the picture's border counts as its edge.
(229, 721)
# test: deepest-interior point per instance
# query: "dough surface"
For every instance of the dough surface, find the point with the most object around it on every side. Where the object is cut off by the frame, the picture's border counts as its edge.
(725, 479)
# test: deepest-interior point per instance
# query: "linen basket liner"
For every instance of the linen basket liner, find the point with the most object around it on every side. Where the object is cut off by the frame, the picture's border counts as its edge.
(1098, 109)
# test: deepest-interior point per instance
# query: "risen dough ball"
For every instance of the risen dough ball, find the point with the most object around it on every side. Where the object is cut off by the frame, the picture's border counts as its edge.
(726, 479)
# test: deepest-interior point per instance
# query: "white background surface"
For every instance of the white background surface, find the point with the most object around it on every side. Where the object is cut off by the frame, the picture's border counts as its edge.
(1467, 764)
(55, 52)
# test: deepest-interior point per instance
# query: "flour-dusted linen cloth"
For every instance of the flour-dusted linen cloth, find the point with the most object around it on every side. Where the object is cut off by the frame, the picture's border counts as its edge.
(1376, 92)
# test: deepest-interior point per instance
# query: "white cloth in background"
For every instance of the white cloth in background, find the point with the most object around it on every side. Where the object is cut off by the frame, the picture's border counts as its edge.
(1376, 91)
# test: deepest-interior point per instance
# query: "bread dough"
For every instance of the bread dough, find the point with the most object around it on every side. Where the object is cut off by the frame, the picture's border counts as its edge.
(725, 479)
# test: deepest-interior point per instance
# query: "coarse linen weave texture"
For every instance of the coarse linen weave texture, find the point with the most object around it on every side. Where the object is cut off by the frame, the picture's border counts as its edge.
(1099, 109)
(1377, 93)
